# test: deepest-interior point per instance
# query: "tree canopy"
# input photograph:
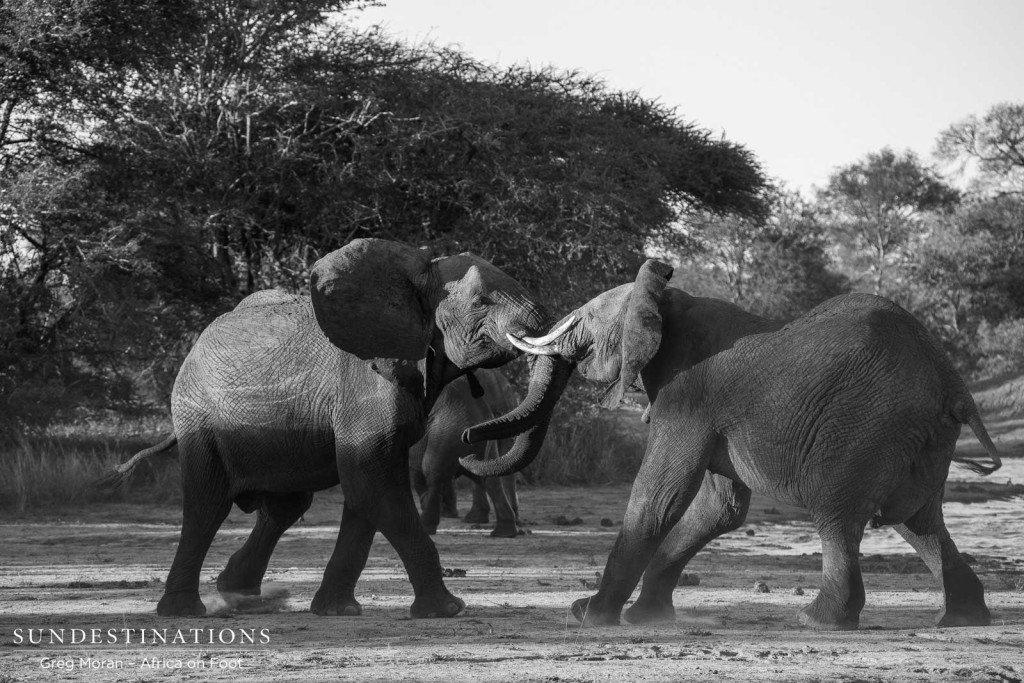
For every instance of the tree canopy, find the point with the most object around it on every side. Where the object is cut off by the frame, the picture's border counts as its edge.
(777, 266)
(160, 163)
(878, 201)
(159, 160)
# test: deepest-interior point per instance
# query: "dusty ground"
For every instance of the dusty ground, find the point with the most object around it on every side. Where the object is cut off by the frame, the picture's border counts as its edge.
(102, 567)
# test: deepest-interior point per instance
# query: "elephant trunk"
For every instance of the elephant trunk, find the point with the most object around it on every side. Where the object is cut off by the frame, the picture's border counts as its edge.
(528, 422)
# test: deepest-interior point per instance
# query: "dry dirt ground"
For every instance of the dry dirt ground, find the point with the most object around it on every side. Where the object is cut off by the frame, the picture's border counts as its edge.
(102, 567)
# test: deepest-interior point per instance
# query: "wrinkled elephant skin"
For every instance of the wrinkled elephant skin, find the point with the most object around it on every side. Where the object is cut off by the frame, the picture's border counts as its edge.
(852, 412)
(286, 395)
(434, 459)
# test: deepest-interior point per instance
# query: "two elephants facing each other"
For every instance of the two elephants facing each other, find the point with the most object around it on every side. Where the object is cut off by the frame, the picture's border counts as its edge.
(434, 459)
(851, 412)
(286, 395)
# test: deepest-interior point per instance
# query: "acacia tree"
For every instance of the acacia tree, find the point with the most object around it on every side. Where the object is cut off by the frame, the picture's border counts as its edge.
(260, 136)
(878, 204)
(365, 137)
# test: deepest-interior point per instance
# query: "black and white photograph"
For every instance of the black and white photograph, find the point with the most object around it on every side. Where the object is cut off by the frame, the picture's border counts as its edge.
(550, 341)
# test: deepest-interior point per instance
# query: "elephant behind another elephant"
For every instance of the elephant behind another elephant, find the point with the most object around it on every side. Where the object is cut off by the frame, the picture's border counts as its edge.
(434, 460)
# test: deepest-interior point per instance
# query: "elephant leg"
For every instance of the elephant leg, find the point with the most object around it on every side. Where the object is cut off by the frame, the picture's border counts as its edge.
(838, 604)
(719, 507)
(512, 493)
(336, 595)
(431, 502)
(419, 482)
(378, 496)
(449, 499)
(430, 492)
(276, 514)
(666, 483)
(964, 603)
(480, 512)
(395, 516)
(439, 466)
(506, 525)
(205, 506)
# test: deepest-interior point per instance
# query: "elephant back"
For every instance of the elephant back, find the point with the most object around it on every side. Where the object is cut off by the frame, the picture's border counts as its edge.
(269, 343)
(272, 297)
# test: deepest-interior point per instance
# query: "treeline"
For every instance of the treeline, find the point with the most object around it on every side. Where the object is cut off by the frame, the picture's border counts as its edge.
(161, 159)
(891, 225)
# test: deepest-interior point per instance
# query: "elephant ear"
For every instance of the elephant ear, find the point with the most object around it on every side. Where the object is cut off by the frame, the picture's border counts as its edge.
(371, 299)
(641, 327)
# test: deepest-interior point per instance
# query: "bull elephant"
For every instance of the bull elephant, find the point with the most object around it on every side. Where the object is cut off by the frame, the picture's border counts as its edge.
(434, 459)
(851, 412)
(286, 395)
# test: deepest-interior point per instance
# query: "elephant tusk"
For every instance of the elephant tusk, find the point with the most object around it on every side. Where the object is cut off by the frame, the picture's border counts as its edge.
(532, 348)
(553, 334)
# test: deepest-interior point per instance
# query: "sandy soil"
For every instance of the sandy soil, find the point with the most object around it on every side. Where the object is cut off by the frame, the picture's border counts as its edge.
(103, 567)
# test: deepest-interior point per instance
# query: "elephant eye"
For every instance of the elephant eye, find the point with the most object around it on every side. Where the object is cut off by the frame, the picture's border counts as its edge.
(481, 300)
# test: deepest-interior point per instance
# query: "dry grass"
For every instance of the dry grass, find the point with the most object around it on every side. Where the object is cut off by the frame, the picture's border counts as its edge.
(55, 467)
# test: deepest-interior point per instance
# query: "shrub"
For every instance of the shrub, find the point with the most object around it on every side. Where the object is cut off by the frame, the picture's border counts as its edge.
(595, 447)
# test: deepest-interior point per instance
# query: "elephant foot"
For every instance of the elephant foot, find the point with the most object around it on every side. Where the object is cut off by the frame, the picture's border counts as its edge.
(589, 613)
(507, 531)
(650, 612)
(477, 516)
(821, 616)
(976, 615)
(964, 603)
(436, 607)
(336, 606)
(237, 585)
(185, 604)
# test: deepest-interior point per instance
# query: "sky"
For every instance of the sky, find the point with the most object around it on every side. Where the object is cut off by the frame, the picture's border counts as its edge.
(807, 85)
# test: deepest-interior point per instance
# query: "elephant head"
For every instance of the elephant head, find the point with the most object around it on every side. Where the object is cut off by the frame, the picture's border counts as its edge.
(387, 301)
(610, 339)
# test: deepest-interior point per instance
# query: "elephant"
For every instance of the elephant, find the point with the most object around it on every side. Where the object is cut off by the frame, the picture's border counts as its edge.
(434, 459)
(851, 412)
(286, 395)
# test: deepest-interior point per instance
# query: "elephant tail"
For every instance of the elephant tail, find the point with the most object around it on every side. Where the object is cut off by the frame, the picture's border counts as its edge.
(966, 412)
(119, 475)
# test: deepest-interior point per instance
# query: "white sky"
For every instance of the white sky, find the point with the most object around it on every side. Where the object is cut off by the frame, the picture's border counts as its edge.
(807, 85)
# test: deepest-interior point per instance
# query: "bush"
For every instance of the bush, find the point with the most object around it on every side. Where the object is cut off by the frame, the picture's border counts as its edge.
(1002, 346)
